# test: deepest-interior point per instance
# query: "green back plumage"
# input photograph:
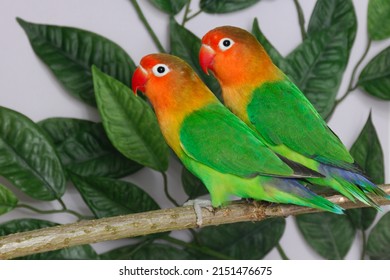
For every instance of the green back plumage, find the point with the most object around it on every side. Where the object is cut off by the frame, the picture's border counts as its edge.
(217, 138)
(279, 110)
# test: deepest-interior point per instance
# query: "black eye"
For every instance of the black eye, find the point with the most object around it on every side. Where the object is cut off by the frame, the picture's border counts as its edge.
(225, 44)
(160, 69)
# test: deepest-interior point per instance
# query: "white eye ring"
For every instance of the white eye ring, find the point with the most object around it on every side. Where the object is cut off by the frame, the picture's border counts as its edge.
(225, 44)
(160, 70)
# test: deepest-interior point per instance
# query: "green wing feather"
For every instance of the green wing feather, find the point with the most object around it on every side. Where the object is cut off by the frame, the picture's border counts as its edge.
(284, 117)
(218, 139)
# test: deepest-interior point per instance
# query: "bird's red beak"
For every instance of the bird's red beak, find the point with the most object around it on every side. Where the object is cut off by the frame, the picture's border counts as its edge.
(139, 80)
(206, 58)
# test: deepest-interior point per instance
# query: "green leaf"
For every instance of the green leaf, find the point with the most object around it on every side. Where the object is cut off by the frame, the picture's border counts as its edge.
(109, 197)
(276, 57)
(130, 123)
(317, 67)
(330, 13)
(362, 218)
(186, 45)
(84, 148)
(378, 21)
(367, 152)
(378, 244)
(70, 53)
(192, 185)
(171, 7)
(318, 63)
(244, 241)
(84, 252)
(375, 77)
(146, 251)
(225, 6)
(8, 200)
(28, 159)
(330, 235)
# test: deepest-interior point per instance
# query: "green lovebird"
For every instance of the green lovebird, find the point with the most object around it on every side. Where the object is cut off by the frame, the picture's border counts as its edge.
(214, 144)
(261, 95)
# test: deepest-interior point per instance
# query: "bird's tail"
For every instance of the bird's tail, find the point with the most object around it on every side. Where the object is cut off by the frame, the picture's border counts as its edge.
(350, 184)
(291, 191)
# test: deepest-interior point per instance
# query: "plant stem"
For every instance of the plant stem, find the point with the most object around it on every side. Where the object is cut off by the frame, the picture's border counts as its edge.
(350, 86)
(74, 213)
(165, 177)
(186, 11)
(364, 245)
(201, 249)
(192, 16)
(281, 252)
(62, 203)
(148, 27)
(301, 19)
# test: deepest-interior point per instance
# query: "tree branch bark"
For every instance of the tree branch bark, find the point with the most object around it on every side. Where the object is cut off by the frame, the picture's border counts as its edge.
(92, 231)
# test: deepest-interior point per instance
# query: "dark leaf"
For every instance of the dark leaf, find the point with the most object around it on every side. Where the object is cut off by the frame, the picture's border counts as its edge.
(317, 67)
(330, 13)
(375, 77)
(171, 7)
(109, 197)
(70, 53)
(146, 251)
(130, 123)
(225, 6)
(330, 235)
(367, 152)
(244, 241)
(276, 57)
(362, 218)
(28, 159)
(8, 200)
(378, 244)
(84, 252)
(192, 185)
(186, 45)
(84, 148)
(378, 21)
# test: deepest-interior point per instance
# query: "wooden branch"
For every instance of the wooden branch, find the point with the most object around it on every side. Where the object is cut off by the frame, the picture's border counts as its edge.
(92, 231)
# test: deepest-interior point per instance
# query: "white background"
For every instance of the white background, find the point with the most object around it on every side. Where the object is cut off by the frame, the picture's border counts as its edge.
(27, 86)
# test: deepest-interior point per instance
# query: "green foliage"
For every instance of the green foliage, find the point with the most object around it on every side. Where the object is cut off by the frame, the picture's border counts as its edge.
(84, 252)
(109, 197)
(225, 6)
(330, 235)
(84, 148)
(378, 19)
(375, 77)
(130, 123)
(171, 7)
(70, 53)
(8, 200)
(22, 144)
(34, 157)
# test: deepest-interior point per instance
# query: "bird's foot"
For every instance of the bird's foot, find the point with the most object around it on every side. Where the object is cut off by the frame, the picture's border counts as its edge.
(198, 204)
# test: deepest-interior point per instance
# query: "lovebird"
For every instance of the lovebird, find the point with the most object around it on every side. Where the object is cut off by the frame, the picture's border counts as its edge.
(261, 95)
(214, 144)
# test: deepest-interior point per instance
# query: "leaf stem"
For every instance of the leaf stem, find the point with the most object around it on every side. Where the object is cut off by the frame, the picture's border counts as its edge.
(192, 16)
(147, 25)
(74, 213)
(186, 11)
(364, 245)
(301, 19)
(165, 177)
(350, 86)
(201, 249)
(281, 252)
